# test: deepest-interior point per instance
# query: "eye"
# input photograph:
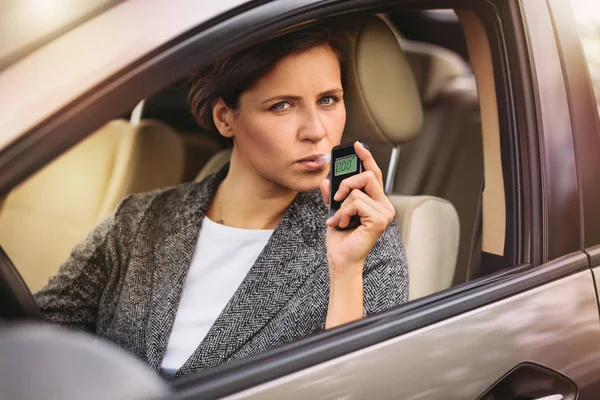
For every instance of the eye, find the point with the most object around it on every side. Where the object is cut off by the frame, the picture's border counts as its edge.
(282, 105)
(328, 100)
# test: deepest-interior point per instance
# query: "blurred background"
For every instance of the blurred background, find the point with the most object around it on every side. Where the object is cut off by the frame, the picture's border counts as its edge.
(587, 13)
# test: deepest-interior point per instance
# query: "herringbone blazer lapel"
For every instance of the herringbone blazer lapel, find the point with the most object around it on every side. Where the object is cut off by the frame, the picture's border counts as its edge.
(173, 249)
(291, 255)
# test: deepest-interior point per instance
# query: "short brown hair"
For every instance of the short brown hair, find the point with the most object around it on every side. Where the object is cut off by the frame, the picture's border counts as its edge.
(229, 77)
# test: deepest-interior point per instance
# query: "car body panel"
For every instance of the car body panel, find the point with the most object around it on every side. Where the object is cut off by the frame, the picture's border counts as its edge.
(584, 117)
(75, 62)
(461, 357)
(560, 199)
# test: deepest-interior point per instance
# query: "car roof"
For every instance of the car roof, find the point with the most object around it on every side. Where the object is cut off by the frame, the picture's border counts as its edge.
(45, 80)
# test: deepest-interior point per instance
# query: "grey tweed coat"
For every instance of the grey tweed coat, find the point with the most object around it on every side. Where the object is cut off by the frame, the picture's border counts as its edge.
(124, 281)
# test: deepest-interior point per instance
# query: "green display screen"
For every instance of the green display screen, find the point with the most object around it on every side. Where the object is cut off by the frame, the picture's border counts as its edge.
(345, 165)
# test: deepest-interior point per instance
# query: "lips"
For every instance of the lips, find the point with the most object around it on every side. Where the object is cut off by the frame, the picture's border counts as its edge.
(313, 163)
(314, 157)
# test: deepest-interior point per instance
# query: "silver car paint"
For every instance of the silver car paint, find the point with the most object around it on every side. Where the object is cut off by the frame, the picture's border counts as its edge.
(556, 325)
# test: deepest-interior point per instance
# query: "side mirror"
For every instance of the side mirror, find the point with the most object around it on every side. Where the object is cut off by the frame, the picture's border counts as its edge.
(40, 361)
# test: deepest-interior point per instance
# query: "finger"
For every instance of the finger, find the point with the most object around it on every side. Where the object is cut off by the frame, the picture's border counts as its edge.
(372, 219)
(383, 212)
(372, 216)
(357, 200)
(384, 206)
(368, 161)
(333, 220)
(366, 181)
(371, 213)
(351, 209)
(325, 188)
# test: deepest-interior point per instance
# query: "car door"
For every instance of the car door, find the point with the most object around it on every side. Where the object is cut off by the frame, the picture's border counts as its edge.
(531, 328)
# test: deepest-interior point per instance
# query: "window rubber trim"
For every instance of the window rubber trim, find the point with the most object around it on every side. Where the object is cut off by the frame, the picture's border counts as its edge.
(593, 254)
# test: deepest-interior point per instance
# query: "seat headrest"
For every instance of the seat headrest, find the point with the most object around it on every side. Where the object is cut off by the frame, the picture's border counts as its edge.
(433, 67)
(381, 94)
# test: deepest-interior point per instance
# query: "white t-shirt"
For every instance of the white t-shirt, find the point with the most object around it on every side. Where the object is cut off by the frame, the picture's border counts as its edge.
(222, 258)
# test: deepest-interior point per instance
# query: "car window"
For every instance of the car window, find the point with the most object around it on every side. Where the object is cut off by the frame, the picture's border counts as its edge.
(428, 141)
(587, 15)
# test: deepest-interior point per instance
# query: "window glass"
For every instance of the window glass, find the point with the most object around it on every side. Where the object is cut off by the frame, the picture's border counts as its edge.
(587, 14)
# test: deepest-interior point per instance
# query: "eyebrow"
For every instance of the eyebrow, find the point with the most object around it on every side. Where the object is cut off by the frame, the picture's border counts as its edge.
(291, 97)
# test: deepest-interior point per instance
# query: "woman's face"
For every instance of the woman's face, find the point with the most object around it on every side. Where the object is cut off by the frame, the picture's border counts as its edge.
(289, 118)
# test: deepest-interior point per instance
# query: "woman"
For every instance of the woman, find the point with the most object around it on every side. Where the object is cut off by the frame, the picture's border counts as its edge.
(189, 277)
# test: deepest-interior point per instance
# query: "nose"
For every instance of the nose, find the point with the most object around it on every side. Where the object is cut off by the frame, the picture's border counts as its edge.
(312, 127)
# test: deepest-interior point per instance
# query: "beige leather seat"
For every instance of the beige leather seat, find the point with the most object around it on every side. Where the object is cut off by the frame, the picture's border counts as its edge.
(383, 106)
(446, 159)
(171, 106)
(44, 217)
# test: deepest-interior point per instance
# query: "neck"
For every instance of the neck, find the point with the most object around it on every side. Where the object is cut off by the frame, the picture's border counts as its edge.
(248, 201)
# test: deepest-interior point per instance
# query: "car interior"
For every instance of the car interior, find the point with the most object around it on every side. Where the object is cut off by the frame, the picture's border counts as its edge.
(420, 115)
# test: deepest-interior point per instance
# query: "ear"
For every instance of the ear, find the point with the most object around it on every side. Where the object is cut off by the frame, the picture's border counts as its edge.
(223, 118)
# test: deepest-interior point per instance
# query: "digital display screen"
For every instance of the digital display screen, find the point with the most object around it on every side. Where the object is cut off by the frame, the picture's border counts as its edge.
(345, 165)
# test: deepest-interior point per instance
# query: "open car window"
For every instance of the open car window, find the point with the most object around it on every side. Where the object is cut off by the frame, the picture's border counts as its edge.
(434, 177)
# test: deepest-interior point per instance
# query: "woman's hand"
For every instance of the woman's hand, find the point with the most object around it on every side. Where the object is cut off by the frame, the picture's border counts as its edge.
(365, 197)
(348, 250)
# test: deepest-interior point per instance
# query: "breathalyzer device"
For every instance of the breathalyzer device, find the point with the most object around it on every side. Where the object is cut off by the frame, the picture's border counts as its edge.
(344, 164)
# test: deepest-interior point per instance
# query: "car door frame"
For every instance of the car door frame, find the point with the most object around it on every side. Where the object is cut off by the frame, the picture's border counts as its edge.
(585, 123)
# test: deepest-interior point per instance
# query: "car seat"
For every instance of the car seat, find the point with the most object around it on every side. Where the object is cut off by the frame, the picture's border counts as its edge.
(384, 106)
(446, 159)
(43, 218)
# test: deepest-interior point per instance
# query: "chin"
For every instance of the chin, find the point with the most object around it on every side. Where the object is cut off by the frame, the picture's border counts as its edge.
(306, 183)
